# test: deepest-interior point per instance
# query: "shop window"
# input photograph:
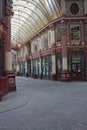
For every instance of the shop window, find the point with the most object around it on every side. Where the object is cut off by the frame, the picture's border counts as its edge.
(47, 66)
(36, 63)
(75, 33)
(59, 62)
(58, 35)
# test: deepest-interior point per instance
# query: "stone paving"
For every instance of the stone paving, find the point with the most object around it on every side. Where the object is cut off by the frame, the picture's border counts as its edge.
(45, 105)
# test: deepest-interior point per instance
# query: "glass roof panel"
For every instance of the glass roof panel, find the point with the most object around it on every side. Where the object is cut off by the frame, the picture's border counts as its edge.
(30, 16)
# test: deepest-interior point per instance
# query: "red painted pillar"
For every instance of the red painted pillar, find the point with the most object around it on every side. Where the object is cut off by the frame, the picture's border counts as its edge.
(86, 64)
(8, 56)
(85, 37)
(0, 90)
(64, 73)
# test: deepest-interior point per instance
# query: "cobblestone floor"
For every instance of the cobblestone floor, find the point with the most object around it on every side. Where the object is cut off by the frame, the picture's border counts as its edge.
(45, 105)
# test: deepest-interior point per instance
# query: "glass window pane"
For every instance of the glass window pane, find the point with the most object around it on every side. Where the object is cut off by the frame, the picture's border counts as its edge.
(75, 32)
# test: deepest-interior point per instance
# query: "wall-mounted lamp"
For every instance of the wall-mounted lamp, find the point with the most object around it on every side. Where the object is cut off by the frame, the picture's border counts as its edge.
(19, 45)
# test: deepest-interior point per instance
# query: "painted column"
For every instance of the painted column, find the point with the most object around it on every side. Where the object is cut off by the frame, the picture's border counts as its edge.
(17, 67)
(85, 49)
(8, 55)
(53, 54)
(40, 69)
(82, 34)
(65, 72)
(53, 36)
(18, 70)
(32, 68)
(53, 67)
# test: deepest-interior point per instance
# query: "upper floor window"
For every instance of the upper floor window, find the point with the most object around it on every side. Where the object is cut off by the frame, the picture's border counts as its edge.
(75, 32)
(35, 47)
(58, 34)
(29, 49)
(45, 39)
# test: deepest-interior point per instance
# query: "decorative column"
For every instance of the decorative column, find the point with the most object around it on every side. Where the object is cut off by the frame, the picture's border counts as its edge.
(54, 68)
(65, 73)
(8, 56)
(85, 49)
(32, 67)
(53, 54)
(82, 34)
(2, 49)
(40, 69)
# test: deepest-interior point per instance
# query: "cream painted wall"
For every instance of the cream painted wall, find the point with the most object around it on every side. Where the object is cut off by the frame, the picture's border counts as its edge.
(32, 46)
(8, 61)
(18, 67)
(63, 6)
(42, 42)
(85, 6)
(53, 36)
(53, 64)
(39, 42)
(64, 60)
(49, 37)
(26, 50)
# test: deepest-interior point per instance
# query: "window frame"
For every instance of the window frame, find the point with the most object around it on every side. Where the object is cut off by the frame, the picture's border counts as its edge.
(58, 37)
(74, 39)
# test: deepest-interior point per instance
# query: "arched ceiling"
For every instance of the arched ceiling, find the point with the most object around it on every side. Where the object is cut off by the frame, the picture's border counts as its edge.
(30, 16)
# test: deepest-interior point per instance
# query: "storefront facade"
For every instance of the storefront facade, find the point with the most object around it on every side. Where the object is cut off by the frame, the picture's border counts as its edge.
(46, 67)
(59, 50)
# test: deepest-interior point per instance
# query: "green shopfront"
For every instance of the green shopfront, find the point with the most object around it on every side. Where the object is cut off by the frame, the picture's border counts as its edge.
(76, 65)
(35, 65)
(46, 67)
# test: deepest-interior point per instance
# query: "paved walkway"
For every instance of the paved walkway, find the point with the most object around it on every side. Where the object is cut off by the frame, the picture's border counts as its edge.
(45, 105)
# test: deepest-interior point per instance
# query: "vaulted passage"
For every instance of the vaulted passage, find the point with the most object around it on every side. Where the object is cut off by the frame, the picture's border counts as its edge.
(30, 16)
(49, 39)
(40, 41)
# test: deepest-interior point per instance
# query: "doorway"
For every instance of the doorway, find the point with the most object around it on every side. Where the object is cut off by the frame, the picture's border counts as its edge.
(76, 65)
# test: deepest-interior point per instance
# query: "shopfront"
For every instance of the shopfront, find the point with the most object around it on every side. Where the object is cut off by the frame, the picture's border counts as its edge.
(35, 65)
(29, 68)
(46, 67)
(76, 65)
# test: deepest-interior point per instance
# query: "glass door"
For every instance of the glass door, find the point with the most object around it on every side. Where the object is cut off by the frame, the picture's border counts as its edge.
(47, 67)
(76, 71)
(76, 65)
